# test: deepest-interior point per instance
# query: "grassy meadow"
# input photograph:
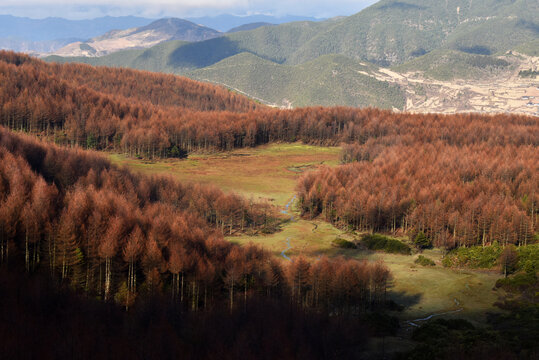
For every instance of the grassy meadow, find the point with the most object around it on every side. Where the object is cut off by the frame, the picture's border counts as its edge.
(269, 173)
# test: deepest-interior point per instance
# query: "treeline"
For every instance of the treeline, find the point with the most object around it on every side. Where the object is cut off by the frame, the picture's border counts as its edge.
(116, 109)
(117, 236)
(455, 195)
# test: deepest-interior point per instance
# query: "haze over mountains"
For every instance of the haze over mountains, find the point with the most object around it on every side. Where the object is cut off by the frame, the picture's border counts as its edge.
(44, 35)
(141, 37)
(50, 34)
(344, 61)
(406, 55)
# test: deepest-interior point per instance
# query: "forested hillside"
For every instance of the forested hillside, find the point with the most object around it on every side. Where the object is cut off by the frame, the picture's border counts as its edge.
(93, 239)
(72, 217)
(328, 80)
(99, 119)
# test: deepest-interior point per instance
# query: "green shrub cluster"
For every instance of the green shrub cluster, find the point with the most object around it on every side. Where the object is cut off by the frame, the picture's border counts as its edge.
(473, 257)
(489, 256)
(343, 244)
(424, 261)
(517, 282)
(422, 241)
(386, 244)
(528, 73)
(528, 258)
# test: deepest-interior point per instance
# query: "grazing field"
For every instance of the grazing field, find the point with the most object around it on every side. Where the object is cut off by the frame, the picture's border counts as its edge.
(270, 172)
(266, 172)
(423, 290)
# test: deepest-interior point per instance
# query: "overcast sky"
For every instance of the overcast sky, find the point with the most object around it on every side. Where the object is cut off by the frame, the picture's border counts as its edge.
(83, 9)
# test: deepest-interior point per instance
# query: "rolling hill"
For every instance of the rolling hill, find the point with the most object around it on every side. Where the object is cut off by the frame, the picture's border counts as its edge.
(326, 81)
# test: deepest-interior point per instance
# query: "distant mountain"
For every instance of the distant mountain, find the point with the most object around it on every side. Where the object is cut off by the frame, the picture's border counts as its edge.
(143, 37)
(441, 40)
(392, 32)
(58, 28)
(28, 46)
(226, 22)
(247, 27)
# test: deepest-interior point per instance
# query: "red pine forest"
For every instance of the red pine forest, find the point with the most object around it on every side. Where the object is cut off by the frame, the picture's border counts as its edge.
(460, 179)
(114, 234)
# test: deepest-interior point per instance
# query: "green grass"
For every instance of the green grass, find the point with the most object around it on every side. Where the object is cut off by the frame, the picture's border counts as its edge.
(263, 173)
(271, 172)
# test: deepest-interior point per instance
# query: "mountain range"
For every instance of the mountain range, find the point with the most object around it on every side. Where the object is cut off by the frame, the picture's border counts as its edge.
(50, 34)
(297, 64)
(142, 37)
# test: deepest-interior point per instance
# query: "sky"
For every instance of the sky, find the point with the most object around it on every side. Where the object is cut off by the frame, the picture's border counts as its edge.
(85, 9)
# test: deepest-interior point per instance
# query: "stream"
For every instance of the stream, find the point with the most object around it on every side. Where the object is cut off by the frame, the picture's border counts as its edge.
(413, 322)
(286, 211)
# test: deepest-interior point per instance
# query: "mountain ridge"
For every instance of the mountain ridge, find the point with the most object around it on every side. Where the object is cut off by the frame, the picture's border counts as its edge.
(141, 37)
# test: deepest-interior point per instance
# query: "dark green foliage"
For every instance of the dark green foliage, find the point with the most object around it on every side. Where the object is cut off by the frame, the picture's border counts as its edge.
(528, 73)
(176, 152)
(422, 241)
(453, 339)
(528, 258)
(443, 64)
(517, 283)
(386, 244)
(474, 257)
(438, 329)
(424, 261)
(508, 260)
(519, 326)
(343, 244)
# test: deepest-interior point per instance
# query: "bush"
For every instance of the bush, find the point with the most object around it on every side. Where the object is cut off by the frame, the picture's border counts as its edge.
(343, 244)
(422, 241)
(528, 258)
(473, 257)
(424, 261)
(387, 244)
(518, 282)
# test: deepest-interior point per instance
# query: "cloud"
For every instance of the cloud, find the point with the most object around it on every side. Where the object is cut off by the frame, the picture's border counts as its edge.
(160, 8)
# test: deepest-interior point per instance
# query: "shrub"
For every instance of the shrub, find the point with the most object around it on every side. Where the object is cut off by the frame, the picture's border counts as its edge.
(424, 261)
(474, 257)
(387, 244)
(422, 241)
(343, 244)
(528, 258)
(518, 282)
(508, 260)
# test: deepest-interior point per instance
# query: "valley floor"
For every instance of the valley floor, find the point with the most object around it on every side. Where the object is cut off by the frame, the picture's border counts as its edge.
(270, 173)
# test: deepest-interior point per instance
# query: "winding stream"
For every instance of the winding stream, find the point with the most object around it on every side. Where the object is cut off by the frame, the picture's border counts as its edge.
(413, 322)
(286, 211)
